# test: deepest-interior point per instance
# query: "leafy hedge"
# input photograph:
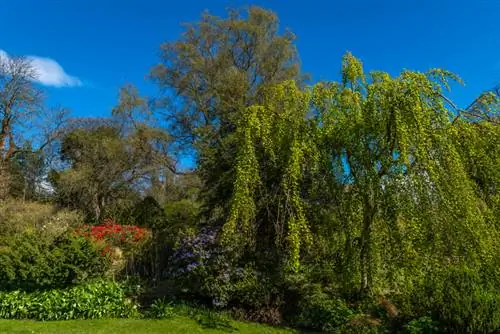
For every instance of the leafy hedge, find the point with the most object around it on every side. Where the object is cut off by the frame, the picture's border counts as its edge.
(97, 299)
(323, 313)
(462, 299)
(30, 262)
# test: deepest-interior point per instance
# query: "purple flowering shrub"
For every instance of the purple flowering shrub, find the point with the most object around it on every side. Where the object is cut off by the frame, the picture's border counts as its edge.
(201, 268)
(205, 270)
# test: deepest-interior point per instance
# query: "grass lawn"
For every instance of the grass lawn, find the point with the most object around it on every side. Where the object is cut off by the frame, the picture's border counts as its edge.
(123, 326)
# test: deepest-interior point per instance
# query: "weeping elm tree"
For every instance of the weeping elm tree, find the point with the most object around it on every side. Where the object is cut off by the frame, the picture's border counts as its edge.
(392, 139)
(383, 150)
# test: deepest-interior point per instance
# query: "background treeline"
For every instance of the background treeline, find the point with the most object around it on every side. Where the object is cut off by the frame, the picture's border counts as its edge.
(369, 204)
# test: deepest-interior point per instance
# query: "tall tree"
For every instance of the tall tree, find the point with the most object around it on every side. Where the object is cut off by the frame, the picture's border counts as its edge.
(370, 163)
(275, 150)
(28, 171)
(477, 132)
(214, 73)
(391, 142)
(19, 99)
(27, 126)
(105, 165)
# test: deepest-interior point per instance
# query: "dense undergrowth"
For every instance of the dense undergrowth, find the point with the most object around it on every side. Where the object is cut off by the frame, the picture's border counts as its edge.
(53, 277)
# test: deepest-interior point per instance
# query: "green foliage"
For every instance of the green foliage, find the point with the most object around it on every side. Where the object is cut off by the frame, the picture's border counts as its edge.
(323, 314)
(461, 299)
(148, 213)
(274, 135)
(236, 55)
(422, 325)
(108, 167)
(399, 191)
(373, 181)
(93, 300)
(226, 62)
(181, 213)
(214, 320)
(19, 217)
(202, 270)
(363, 325)
(177, 218)
(254, 290)
(30, 262)
(161, 309)
(27, 171)
(481, 157)
(317, 310)
(205, 317)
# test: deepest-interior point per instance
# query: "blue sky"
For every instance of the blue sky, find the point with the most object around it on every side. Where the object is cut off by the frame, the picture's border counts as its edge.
(101, 45)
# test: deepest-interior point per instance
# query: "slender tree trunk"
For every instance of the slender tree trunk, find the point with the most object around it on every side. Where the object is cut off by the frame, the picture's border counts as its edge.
(97, 208)
(103, 205)
(4, 179)
(4, 131)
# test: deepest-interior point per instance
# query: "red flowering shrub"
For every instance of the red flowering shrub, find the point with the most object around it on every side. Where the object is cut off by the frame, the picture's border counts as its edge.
(127, 237)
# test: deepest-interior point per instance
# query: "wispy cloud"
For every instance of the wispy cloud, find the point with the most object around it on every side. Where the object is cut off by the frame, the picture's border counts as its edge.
(49, 72)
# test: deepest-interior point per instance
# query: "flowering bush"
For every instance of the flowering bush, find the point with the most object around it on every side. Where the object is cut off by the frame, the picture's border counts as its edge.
(110, 233)
(201, 268)
(204, 269)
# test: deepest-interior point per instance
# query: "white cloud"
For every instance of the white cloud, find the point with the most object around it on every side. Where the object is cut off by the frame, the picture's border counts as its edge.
(49, 72)
(3, 55)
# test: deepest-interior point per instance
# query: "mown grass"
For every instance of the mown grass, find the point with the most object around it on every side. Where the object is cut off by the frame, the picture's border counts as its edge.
(124, 326)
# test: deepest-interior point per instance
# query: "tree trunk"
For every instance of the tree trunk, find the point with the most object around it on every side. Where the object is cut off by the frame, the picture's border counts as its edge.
(4, 180)
(97, 208)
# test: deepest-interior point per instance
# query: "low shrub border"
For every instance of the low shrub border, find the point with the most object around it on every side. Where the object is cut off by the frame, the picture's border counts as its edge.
(92, 300)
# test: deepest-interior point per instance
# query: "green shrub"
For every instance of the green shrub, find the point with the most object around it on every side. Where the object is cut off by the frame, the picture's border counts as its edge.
(251, 288)
(181, 213)
(19, 217)
(319, 311)
(31, 262)
(93, 300)
(203, 271)
(206, 317)
(422, 325)
(161, 309)
(134, 286)
(148, 213)
(460, 299)
(256, 296)
(168, 225)
(366, 327)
